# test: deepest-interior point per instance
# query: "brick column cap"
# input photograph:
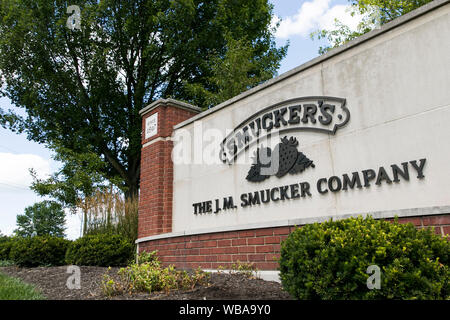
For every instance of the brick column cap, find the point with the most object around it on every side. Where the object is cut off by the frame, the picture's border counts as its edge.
(169, 102)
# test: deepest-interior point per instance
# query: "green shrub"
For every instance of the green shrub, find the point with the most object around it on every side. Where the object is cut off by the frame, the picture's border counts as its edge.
(7, 263)
(146, 257)
(330, 260)
(39, 251)
(100, 250)
(5, 247)
(249, 270)
(151, 276)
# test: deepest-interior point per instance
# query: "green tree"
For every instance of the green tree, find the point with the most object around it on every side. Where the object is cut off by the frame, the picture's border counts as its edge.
(80, 177)
(41, 219)
(374, 14)
(235, 72)
(82, 89)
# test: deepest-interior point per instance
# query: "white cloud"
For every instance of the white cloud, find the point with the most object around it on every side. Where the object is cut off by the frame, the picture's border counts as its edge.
(313, 15)
(341, 13)
(304, 20)
(14, 170)
(15, 194)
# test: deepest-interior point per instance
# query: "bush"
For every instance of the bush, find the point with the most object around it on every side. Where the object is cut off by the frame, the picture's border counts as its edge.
(5, 247)
(248, 270)
(330, 260)
(100, 250)
(149, 276)
(39, 251)
(7, 263)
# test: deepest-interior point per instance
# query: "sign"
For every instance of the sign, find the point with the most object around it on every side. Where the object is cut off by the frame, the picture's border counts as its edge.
(321, 114)
(334, 184)
(317, 114)
(151, 126)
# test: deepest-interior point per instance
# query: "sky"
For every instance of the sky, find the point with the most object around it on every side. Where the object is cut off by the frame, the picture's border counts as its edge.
(17, 154)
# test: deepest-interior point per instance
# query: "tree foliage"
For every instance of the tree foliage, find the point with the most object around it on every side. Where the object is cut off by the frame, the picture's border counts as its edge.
(82, 89)
(374, 13)
(235, 72)
(81, 176)
(46, 218)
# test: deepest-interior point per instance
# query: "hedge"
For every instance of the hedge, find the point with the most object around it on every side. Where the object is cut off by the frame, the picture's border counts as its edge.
(100, 250)
(330, 261)
(5, 247)
(39, 251)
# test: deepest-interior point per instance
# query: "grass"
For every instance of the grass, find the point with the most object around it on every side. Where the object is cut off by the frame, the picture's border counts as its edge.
(15, 289)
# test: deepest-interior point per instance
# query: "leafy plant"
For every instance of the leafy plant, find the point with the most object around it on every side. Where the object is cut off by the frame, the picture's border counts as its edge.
(150, 276)
(111, 286)
(39, 251)
(330, 260)
(247, 269)
(147, 257)
(5, 247)
(100, 250)
(7, 263)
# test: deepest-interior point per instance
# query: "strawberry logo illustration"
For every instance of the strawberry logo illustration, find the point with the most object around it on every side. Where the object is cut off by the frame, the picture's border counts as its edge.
(290, 160)
(287, 151)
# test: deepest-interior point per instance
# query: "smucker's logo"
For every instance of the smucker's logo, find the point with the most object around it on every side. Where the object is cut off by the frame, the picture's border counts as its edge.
(320, 114)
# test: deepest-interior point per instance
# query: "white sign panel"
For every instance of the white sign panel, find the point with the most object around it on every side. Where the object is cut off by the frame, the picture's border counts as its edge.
(365, 131)
(151, 126)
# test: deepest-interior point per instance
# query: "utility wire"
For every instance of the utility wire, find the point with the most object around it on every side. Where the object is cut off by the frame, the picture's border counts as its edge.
(16, 186)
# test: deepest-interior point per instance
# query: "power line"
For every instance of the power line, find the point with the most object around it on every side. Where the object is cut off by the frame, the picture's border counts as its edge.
(14, 186)
(12, 183)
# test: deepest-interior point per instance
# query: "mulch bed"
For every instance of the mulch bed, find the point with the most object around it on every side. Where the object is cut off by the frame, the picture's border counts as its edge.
(51, 281)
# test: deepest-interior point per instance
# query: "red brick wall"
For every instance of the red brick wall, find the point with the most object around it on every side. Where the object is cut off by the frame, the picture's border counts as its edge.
(156, 186)
(259, 246)
(441, 223)
(168, 116)
(155, 199)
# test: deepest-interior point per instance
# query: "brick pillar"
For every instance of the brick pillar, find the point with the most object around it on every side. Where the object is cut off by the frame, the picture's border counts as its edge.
(156, 184)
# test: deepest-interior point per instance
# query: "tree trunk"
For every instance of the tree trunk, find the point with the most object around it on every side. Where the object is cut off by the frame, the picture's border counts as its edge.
(133, 187)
